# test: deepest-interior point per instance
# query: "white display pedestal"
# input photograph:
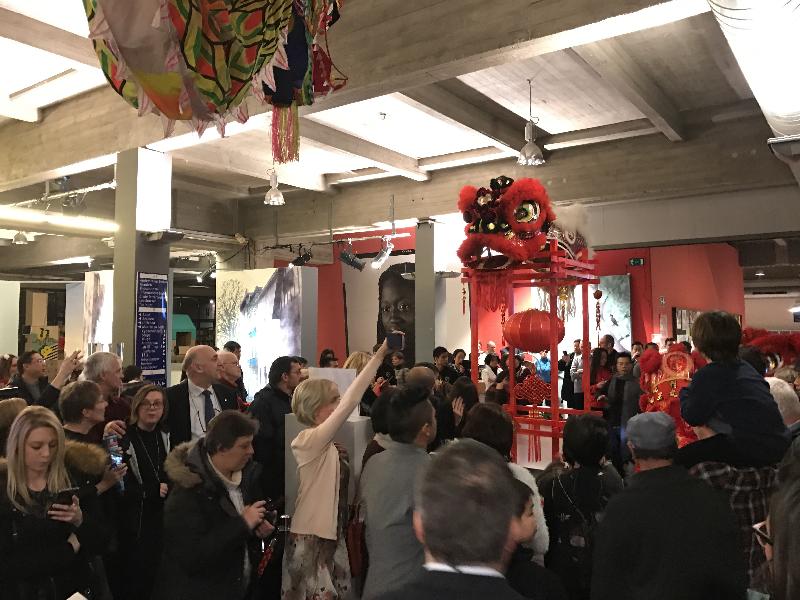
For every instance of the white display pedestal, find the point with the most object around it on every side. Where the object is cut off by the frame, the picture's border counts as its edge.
(355, 435)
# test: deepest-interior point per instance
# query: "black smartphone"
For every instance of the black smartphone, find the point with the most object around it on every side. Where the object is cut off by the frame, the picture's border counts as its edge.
(396, 341)
(64, 497)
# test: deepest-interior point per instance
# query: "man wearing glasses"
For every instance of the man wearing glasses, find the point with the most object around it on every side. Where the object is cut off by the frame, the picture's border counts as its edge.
(229, 374)
(197, 399)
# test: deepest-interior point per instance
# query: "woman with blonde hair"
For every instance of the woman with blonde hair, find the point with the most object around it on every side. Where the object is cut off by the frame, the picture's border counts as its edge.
(46, 536)
(357, 361)
(315, 562)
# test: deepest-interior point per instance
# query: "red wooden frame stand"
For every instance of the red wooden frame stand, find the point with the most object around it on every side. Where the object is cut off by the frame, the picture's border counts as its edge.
(550, 269)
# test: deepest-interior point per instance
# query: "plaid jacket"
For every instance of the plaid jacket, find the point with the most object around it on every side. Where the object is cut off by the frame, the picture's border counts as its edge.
(748, 491)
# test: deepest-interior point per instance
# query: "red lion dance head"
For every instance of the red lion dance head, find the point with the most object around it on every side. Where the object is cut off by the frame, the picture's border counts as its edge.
(781, 349)
(663, 377)
(511, 218)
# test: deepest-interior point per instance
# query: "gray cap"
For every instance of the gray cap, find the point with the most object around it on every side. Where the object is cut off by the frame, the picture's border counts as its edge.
(651, 431)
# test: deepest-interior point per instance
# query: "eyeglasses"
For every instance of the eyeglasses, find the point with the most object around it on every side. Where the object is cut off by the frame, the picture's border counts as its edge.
(762, 536)
(152, 405)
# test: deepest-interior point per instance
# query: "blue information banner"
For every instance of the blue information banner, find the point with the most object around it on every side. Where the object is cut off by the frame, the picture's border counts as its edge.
(151, 326)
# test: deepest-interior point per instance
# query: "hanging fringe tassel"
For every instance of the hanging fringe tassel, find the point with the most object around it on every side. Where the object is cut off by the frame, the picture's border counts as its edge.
(285, 134)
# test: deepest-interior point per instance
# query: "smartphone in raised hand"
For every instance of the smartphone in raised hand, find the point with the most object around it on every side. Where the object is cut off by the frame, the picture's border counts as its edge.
(396, 341)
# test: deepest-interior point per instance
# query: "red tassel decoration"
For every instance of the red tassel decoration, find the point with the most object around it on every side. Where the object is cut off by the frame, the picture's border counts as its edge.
(285, 134)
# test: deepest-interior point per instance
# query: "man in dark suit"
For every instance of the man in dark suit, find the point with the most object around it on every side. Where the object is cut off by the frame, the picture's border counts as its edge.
(270, 406)
(465, 547)
(197, 399)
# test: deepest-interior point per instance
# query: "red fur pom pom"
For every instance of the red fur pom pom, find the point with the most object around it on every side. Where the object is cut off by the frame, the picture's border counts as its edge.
(650, 361)
(466, 197)
(699, 360)
(750, 333)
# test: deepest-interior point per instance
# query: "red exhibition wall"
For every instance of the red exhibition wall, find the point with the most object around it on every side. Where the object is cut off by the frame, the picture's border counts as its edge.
(698, 277)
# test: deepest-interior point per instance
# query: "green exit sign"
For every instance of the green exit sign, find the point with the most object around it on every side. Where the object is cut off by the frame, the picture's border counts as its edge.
(636, 262)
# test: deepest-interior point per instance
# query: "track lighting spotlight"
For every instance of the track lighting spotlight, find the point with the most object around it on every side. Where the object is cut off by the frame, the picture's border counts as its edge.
(351, 260)
(386, 250)
(20, 239)
(302, 258)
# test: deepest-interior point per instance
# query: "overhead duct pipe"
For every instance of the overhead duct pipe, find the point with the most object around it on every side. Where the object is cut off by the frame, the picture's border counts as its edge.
(763, 37)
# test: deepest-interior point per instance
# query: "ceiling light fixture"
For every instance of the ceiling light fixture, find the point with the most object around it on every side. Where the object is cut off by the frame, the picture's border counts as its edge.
(531, 154)
(36, 220)
(274, 197)
(20, 239)
(760, 274)
(73, 260)
(386, 250)
(304, 255)
(350, 259)
(210, 272)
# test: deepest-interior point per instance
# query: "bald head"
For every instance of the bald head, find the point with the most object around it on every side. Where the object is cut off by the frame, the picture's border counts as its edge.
(422, 377)
(228, 370)
(200, 365)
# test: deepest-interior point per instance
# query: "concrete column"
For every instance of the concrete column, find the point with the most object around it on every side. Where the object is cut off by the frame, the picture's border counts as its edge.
(142, 203)
(425, 293)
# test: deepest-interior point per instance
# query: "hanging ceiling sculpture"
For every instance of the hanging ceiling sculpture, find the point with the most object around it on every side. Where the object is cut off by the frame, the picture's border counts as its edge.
(197, 60)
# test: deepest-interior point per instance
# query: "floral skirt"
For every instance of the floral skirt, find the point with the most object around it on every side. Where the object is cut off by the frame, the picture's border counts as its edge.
(315, 569)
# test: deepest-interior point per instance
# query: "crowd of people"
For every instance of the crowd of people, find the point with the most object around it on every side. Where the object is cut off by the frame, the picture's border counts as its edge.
(116, 488)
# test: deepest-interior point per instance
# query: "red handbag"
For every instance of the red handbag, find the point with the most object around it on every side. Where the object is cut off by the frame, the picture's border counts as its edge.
(356, 541)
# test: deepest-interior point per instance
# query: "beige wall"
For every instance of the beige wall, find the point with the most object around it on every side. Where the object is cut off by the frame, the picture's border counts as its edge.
(770, 312)
(9, 324)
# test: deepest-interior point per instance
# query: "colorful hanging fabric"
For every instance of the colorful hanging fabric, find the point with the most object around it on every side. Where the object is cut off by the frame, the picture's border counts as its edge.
(198, 60)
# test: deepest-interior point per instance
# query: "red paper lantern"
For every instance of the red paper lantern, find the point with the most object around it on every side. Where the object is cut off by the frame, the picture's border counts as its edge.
(529, 330)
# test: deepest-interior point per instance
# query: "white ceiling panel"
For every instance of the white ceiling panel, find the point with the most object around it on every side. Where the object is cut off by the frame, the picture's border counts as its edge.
(392, 123)
(67, 84)
(25, 66)
(64, 14)
(565, 96)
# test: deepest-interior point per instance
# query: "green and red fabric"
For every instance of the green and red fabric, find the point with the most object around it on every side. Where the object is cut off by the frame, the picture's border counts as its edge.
(199, 59)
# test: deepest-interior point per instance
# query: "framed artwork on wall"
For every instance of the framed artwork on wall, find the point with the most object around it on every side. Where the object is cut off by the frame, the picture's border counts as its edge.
(682, 319)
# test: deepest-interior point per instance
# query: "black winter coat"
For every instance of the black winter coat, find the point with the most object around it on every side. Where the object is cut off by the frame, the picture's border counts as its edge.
(205, 538)
(668, 536)
(48, 395)
(270, 406)
(36, 561)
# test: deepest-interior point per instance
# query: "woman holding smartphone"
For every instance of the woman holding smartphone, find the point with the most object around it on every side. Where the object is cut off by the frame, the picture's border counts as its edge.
(315, 562)
(46, 536)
